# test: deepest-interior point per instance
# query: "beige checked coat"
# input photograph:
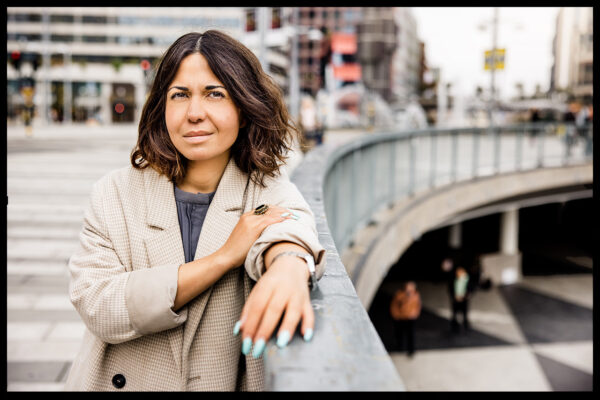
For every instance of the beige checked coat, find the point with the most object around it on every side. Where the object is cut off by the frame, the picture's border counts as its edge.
(124, 280)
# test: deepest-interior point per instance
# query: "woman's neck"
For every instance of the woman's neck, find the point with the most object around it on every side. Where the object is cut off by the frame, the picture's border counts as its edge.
(204, 176)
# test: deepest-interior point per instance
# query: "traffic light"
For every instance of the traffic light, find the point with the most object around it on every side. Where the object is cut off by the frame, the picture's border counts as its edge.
(145, 64)
(15, 58)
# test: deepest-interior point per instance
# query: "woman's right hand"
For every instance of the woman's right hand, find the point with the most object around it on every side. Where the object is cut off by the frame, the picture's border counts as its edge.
(247, 231)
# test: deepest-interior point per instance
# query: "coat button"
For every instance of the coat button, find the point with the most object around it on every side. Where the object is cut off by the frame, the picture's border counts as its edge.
(118, 381)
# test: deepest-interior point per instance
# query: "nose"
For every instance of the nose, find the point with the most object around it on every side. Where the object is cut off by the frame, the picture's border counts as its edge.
(196, 109)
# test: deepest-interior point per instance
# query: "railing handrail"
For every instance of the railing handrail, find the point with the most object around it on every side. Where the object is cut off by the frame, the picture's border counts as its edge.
(388, 135)
(362, 145)
(346, 353)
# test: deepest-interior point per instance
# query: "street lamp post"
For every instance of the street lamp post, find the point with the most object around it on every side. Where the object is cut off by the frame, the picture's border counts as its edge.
(67, 87)
(493, 67)
(494, 56)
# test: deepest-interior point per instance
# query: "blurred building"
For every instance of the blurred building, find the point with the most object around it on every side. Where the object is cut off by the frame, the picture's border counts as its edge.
(96, 61)
(377, 38)
(338, 25)
(572, 70)
(271, 41)
(408, 60)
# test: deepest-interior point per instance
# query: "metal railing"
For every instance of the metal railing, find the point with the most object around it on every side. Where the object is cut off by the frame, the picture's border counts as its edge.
(376, 171)
(345, 353)
(344, 186)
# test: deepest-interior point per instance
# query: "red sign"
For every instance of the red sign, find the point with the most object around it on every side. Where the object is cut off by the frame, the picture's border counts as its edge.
(347, 72)
(343, 43)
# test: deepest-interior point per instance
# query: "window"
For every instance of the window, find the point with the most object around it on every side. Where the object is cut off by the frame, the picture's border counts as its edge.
(29, 37)
(587, 41)
(586, 74)
(26, 17)
(276, 18)
(250, 20)
(61, 19)
(93, 39)
(94, 19)
(61, 38)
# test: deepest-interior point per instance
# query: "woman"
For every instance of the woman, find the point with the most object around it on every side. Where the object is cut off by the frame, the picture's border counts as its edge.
(162, 314)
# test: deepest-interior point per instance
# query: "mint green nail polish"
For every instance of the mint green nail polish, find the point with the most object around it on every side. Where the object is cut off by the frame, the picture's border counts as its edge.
(236, 328)
(308, 335)
(246, 345)
(295, 217)
(259, 346)
(283, 339)
(285, 214)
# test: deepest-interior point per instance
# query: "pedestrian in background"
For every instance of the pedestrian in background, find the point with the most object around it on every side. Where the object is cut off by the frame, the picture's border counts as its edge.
(589, 136)
(569, 119)
(460, 293)
(201, 231)
(534, 119)
(405, 309)
(308, 121)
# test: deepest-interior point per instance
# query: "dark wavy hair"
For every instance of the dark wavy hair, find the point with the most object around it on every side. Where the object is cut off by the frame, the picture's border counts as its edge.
(267, 131)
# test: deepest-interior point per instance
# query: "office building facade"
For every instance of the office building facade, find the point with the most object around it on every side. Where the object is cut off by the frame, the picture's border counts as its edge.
(96, 61)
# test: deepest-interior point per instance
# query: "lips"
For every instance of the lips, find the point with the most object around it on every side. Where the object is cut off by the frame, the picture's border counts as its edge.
(197, 137)
(196, 133)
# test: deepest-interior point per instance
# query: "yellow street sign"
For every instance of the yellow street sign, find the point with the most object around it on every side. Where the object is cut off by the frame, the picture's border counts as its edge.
(497, 61)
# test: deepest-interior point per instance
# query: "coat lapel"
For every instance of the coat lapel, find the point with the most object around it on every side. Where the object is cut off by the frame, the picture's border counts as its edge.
(164, 244)
(222, 216)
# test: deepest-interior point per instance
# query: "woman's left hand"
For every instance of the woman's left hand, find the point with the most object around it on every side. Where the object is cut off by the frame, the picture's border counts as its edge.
(281, 291)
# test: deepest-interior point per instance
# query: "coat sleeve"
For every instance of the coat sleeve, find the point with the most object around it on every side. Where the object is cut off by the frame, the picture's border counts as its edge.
(115, 304)
(282, 192)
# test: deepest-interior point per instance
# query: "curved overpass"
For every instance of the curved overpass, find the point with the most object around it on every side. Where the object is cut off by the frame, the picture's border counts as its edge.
(384, 191)
(397, 228)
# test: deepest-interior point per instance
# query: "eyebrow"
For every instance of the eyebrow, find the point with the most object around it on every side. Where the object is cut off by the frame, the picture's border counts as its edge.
(208, 87)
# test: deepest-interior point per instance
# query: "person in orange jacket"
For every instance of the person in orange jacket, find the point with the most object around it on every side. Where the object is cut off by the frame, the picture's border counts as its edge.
(405, 308)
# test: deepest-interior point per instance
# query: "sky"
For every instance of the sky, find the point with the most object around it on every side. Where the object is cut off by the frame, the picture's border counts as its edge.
(454, 43)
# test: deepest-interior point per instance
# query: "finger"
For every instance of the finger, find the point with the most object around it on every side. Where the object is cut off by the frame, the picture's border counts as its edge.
(290, 322)
(279, 211)
(252, 314)
(271, 316)
(270, 220)
(308, 321)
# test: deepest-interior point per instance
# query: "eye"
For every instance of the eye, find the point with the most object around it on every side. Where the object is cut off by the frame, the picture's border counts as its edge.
(177, 95)
(216, 95)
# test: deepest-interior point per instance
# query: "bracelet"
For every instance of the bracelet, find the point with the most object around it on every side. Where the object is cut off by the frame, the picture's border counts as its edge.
(310, 262)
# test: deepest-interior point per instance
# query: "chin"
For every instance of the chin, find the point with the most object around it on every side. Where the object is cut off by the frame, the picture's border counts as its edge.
(203, 154)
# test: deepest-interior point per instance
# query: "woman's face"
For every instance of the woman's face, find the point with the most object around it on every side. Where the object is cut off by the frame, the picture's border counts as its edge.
(201, 118)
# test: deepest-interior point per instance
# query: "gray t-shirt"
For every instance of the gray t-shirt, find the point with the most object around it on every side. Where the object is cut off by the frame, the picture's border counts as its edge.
(191, 210)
